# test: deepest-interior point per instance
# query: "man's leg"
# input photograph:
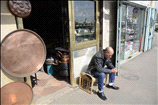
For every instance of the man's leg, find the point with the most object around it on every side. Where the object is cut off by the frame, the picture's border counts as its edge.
(112, 78)
(100, 77)
(111, 81)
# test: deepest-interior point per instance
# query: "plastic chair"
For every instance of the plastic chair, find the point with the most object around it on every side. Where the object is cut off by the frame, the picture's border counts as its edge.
(86, 82)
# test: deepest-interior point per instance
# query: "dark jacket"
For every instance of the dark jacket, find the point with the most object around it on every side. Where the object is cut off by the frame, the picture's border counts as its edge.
(98, 62)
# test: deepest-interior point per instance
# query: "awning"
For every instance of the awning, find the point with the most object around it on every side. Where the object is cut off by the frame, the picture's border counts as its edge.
(140, 4)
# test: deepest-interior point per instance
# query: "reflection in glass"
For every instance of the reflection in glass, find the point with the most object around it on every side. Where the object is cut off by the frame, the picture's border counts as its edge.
(84, 12)
(132, 37)
(123, 32)
(132, 20)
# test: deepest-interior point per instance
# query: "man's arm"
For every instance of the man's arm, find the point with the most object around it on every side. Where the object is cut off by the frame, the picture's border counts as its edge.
(110, 65)
(99, 65)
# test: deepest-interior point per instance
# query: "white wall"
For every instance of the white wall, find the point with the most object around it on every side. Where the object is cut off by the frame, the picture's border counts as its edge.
(81, 59)
(8, 24)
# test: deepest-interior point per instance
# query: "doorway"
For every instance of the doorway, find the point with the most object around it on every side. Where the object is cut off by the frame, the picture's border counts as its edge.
(49, 19)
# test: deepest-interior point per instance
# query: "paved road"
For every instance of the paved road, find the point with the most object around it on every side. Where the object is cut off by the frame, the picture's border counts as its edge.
(137, 81)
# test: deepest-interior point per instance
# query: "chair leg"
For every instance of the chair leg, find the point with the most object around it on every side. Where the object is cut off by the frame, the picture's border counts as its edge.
(80, 81)
(86, 83)
(91, 87)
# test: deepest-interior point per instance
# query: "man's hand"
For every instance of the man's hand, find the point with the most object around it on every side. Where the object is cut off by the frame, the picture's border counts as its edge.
(114, 70)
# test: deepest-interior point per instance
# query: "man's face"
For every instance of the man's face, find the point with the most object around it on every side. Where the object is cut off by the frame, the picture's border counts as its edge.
(108, 54)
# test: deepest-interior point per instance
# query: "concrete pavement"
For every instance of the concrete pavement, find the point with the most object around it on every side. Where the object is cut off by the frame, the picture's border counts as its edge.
(137, 81)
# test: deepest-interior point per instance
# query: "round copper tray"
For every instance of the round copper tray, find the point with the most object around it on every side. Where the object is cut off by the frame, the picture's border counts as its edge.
(20, 8)
(23, 53)
(16, 93)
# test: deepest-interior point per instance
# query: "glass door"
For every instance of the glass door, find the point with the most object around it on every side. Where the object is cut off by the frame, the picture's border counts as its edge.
(84, 35)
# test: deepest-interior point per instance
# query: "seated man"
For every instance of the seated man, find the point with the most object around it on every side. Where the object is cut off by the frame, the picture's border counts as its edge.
(99, 66)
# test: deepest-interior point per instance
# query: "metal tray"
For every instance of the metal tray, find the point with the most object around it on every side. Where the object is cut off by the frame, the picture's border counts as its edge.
(23, 53)
(16, 93)
(20, 8)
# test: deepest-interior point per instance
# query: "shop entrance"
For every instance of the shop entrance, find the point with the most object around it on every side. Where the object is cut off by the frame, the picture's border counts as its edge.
(49, 19)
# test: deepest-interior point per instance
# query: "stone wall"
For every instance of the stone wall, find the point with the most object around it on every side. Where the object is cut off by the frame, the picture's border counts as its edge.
(109, 25)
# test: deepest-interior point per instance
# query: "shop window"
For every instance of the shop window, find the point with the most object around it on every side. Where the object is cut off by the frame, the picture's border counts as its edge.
(132, 36)
(131, 25)
(123, 31)
(85, 28)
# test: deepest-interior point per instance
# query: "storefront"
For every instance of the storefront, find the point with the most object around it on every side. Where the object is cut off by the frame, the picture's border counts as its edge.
(73, 27)
(70, 27)
(67, 25)
(134, 23)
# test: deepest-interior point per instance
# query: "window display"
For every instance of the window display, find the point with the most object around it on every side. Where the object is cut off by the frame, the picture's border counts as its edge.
(130, 30)
(132, 37)
(84, 12)
(123, 32)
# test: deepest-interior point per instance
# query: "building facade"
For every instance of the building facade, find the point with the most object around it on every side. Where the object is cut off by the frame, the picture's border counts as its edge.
(85, 27)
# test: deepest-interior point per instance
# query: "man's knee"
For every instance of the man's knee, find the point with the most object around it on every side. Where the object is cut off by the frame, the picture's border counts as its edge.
(102, 75)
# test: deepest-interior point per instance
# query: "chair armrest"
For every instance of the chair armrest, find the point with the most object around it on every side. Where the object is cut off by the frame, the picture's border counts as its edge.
(83, 73)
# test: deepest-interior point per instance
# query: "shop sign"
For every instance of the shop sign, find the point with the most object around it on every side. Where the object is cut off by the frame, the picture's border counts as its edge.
(135, 11)
(134, 15)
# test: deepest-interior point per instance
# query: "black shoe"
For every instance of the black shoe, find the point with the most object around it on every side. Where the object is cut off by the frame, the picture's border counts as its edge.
(113, 87)
(102, 96)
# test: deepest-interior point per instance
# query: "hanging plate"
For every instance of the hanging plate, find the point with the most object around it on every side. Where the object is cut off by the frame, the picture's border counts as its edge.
(20, 8)
(16, 93)
(23, 53)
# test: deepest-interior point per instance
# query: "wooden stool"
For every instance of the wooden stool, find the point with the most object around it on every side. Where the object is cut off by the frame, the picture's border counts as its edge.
(86, 82)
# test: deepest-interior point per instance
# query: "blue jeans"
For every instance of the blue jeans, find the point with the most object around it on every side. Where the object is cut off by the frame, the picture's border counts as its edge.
(101, 77)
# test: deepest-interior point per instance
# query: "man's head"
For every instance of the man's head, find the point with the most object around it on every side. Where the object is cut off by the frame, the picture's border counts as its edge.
(108, 52)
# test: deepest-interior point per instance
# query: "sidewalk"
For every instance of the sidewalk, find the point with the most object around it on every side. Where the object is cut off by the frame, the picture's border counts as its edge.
(137, 82)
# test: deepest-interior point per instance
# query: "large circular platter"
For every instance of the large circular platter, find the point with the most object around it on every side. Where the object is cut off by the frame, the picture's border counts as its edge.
(23, 53)
(20, 8)
(16, 93)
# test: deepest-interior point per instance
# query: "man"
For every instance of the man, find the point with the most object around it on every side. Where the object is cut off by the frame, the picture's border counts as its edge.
(99, 66)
